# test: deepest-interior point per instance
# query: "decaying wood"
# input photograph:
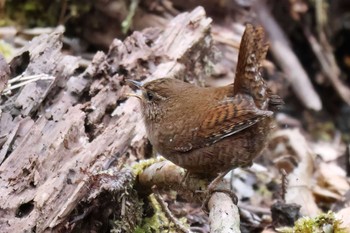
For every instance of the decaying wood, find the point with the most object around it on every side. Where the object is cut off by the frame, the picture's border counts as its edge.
(224, 215)
(58, 135)
(166, 175)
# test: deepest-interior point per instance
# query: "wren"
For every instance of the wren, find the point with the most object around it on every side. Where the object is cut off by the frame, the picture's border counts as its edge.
(210, 130)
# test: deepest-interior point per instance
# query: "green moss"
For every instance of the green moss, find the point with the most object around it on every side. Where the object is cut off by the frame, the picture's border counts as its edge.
(36, 13)
(140, 166)
(133, 213)
(6, 49)
(158, 222)
(127, 23)
(209, 66)
(323, 223)
(153, 224)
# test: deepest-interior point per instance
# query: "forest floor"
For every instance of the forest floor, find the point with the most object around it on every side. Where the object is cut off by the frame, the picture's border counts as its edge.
(73, 148)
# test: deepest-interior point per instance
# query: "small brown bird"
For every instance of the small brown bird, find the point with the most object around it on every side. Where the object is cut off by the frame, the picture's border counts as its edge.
(214, 129)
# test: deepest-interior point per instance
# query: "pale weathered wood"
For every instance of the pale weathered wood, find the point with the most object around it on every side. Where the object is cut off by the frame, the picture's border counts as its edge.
(63, 132)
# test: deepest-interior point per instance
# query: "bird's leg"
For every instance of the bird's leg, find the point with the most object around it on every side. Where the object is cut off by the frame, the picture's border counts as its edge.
(184, 179)
(212, 189)
(217, 180)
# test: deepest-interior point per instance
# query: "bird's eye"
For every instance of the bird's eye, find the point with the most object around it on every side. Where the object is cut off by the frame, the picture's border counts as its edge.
(149, 95)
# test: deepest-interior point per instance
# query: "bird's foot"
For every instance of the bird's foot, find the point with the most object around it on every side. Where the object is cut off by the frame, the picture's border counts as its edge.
(185, 177)
(212, 188)
(230, 193)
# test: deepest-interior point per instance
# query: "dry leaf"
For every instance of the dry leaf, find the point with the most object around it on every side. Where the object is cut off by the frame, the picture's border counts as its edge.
(327, 151)
(300, 180)
(333, 178)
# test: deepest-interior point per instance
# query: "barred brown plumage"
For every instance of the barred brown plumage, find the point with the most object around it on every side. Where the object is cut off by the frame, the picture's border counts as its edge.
(211, 130)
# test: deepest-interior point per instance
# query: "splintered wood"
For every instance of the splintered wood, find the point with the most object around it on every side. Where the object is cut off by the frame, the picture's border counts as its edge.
(57, 134)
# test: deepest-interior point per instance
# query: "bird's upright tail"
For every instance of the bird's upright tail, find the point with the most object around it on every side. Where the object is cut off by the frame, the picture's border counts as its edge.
(249, 80)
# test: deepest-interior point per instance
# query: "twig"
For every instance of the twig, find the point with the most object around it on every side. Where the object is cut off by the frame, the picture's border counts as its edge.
(255, 209)
(168, 214)
(347, 158)
(10, 139)
(328, 65)
(31, 77)
(127, 23)
(223, 213)
(250, 218)
(224, 40)
(61, 19)
(284, 185)
(24, 80)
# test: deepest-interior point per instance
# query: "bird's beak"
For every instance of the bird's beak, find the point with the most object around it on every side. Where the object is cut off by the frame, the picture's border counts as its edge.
(133, 95)
(134, 83)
